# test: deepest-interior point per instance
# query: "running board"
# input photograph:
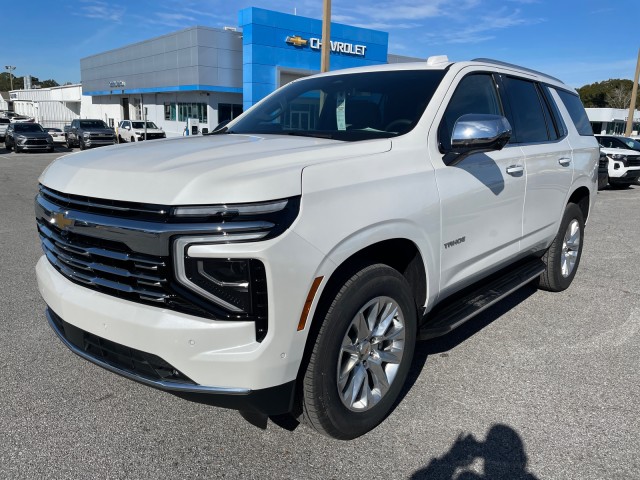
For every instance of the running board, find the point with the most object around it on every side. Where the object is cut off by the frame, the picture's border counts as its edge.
(453, 313)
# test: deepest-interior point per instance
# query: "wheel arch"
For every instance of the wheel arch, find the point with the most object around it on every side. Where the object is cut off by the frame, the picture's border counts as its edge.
(400, 254)
(581, 197)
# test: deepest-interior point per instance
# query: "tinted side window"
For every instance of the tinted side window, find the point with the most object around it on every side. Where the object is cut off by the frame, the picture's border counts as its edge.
(527, 117)
(475, 94)
(576, 111)
(561, 128)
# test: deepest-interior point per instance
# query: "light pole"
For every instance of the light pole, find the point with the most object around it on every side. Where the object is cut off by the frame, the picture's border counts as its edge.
(326, 36)
(10, 68)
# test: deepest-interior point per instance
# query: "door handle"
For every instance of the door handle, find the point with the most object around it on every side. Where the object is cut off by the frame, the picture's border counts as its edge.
(564, 161)
(515, 169)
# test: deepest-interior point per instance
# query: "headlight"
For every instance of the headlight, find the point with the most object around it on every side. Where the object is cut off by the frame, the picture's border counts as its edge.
(49, 140)
(21, 138)
(619, 156)
(226, 282)
(86, 134)
(235, 285)
(139, 133)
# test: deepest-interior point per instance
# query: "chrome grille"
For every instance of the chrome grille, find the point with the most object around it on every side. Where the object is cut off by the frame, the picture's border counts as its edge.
(36, 141)
(117, 272)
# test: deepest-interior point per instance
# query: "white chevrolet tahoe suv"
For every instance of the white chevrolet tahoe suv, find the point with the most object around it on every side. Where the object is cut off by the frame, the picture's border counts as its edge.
(288, 263)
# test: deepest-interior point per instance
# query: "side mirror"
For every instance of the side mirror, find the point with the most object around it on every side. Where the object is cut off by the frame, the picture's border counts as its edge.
(128, 127)
(474, 133)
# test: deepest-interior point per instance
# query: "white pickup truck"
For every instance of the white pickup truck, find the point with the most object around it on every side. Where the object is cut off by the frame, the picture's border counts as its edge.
(288, 263)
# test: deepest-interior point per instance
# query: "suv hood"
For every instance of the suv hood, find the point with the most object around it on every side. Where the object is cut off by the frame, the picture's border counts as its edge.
(200, 170)
(619, 151)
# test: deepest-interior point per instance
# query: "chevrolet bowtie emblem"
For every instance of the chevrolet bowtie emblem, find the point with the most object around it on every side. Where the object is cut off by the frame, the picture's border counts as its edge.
(297, 41)
(61, 221)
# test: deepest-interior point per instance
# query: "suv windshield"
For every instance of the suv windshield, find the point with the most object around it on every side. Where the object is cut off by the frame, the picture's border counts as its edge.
(141, 125)
(354, 106)
(27, 127)
(92, 124)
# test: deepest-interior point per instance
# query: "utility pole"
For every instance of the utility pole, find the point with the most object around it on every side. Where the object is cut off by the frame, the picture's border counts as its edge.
(10, 68)
(634, 94)
(326, 35)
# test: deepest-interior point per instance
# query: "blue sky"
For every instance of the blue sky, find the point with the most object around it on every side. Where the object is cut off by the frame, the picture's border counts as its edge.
(578, 41)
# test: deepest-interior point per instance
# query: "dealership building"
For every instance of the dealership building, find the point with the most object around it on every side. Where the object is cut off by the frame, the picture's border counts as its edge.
(214, 74)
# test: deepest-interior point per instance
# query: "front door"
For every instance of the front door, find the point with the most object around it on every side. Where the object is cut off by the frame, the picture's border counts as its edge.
(482, 197)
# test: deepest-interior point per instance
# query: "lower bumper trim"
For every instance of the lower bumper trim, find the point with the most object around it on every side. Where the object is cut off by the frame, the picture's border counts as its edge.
(269, 401)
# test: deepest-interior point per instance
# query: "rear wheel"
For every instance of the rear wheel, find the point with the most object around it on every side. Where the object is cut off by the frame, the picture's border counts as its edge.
(362, 354)
(563, 257)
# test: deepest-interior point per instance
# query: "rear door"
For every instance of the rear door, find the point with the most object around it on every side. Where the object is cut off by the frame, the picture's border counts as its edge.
(539, 131)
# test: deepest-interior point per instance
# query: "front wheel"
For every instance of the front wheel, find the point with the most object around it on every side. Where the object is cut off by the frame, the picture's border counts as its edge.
(82, 145)
(362, 354)
(563, 257)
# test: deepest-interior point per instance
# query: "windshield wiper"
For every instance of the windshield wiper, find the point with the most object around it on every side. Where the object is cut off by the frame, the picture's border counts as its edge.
(306, 133)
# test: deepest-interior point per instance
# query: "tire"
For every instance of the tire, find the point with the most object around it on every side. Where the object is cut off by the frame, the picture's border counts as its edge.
(17, 149)
(82, 145)
(50, 149)
(563, 257)
(7, 146)
(358, 347)
(133, 139)
(68, 144)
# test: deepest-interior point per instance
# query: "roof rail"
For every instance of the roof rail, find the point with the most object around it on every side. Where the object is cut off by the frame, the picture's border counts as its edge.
(506, 64)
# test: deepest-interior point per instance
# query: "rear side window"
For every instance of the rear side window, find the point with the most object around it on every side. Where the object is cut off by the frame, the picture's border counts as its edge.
(527, 116)
(5, 120)
(576, 111)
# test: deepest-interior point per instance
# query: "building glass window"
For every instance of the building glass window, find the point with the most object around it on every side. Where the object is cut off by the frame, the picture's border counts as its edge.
(169, 111)
(192, 110)
(228, 111)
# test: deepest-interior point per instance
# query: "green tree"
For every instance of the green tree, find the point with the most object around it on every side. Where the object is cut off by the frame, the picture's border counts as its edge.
(612, 93)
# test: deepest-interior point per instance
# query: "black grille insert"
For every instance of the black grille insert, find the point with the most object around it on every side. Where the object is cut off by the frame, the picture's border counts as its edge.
(130, 360)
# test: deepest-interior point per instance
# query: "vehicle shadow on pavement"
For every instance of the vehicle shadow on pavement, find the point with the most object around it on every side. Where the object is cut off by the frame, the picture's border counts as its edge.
(461, 334)
(501, 456)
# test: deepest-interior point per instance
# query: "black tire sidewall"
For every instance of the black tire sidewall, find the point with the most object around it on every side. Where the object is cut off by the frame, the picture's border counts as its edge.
(369, 283)
(571, 212)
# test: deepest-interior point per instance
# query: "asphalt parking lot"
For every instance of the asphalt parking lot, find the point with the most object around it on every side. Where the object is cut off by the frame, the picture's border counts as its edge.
(540, 386)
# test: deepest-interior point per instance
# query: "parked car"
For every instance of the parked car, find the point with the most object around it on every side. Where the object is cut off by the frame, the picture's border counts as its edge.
(280, 266)
(57, 134)
(623, 166)
(87, 133)
(4, 123)
(27, 136)
(614, 141)
(133, 131)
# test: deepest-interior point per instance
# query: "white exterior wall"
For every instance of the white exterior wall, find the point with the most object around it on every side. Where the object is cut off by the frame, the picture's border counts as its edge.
(614, 120)
(110, 107)
(52, 107)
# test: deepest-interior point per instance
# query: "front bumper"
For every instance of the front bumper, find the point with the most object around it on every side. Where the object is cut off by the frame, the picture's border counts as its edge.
(154, 372)
(211, 353)
(624, 176)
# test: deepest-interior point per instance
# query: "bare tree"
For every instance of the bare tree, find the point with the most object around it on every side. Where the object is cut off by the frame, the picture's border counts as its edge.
(618, 97)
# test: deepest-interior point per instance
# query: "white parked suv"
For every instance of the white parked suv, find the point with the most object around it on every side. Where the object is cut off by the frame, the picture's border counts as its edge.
(134, 131)
(624, 162)
(289, 262)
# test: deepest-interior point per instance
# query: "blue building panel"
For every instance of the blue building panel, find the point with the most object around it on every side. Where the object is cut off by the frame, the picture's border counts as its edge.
(273, 40)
